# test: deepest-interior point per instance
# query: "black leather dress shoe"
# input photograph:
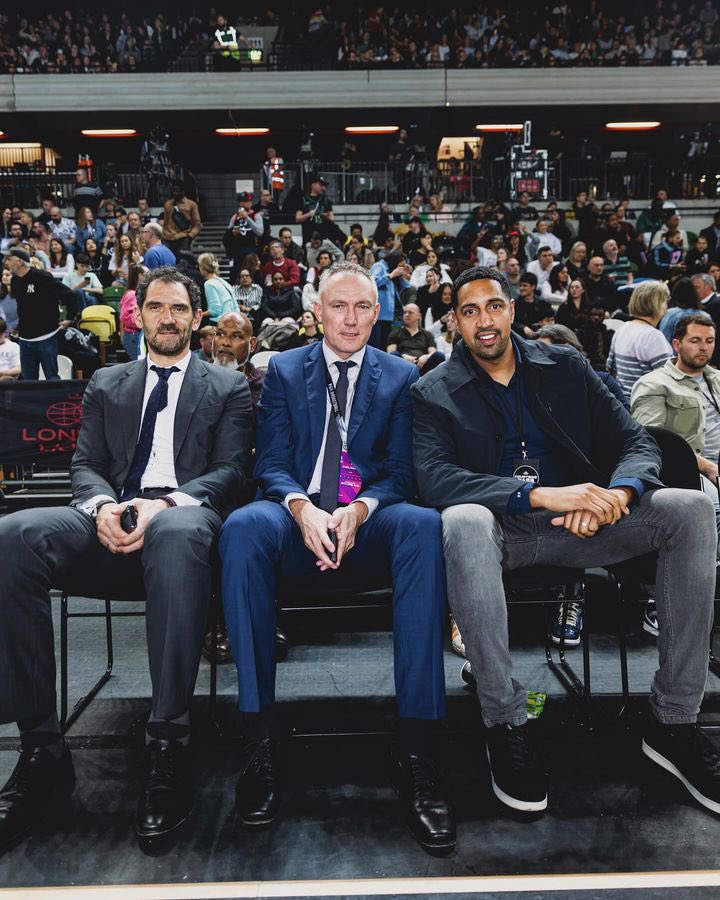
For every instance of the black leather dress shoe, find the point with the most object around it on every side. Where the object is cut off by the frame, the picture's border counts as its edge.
(166, 797)
(222, 646)
(281, 645)
(427, 812)
(37, 779)
(257, 794)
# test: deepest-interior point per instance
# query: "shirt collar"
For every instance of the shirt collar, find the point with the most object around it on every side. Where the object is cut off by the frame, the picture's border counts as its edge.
(181, 364)
(332, 357)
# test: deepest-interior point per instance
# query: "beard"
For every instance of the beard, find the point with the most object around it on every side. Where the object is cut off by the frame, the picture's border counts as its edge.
(227, 362)
(482, 352)
(161, 342)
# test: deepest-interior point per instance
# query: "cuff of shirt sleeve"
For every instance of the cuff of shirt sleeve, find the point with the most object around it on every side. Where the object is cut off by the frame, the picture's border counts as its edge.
(89, 507)
(294, 496)
(635, 483)
(370, 502)
(519, 500)
(182, 499)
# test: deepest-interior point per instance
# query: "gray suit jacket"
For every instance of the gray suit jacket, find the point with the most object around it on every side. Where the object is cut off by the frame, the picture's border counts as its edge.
(213, 434)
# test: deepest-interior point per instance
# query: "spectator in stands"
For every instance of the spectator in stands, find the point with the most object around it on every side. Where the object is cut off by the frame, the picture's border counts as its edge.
(651, 220)
(487, 255)
(575, 312)
(364, 255)
(705, 285)
(440, 311)
(672, 224)
(310, 329)
(697, 260)
(168, 557)
(243, 232)
(412, 240)
(684, 396)
(39, 237)
(205, 339)
(600, 290)
(668, 257)
(278, 262)
(279, 301)
(684, 302)
(391, 276)
(524, 212)
(268, 209)
(530, 312)
(542, 237)
(512, 273)
(124, 255)
(311, 286)
(61, 262)
(157, 254)
(9, 355)
(233, 345)
(38, 296)
(712, 235)
(317, 244)
(87, 193)
(131, 332)
(638, 346)
(88, 226)
(144, 212)
(429, 291)
(62, 228)
(8, 304)
(493, 521)
(376, 530)
(133, 227)
(108, 212)
(616, 267)
(85, 283)
(248, 294)
(98, 262)
(414, 343)
(542, 266)
(316, 214)
(292, 250)
(219, 295)
(181, 224)
(555, 289)
(14, 236)
(577, 260)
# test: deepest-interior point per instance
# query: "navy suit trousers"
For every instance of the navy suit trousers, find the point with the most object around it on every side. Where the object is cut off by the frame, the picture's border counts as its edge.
(261, 541)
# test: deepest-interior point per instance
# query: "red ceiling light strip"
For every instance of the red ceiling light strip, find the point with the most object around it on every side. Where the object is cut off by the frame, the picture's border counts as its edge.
(240, 132)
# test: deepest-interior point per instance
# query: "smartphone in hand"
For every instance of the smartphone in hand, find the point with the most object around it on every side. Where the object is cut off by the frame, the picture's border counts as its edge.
(128, 520)
(333, 537)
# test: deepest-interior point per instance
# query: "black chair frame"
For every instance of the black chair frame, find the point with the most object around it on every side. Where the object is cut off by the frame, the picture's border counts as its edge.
(67, 721)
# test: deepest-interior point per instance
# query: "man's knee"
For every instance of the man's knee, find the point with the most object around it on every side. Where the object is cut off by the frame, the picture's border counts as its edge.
(684, 508)
(256, 525)
(468, 518)
(183, 529)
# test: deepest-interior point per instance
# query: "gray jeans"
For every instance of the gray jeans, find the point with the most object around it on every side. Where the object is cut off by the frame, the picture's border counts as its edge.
(678, 524)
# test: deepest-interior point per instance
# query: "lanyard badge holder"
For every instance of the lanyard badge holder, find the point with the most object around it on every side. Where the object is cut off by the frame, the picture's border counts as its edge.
(349, 480)
(525, 468)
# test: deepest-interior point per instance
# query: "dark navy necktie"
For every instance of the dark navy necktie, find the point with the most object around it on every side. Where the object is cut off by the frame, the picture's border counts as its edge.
(157, 401)
(333, 445)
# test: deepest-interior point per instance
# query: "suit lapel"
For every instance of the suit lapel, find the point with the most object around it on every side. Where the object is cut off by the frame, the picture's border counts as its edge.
(131, 390)
(315, 389)
(365, 388)
(191, 393)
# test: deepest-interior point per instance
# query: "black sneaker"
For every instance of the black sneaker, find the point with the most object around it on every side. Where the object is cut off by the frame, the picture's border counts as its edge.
(518, 778)
(687, 753)
(572, 630)
(650, 622)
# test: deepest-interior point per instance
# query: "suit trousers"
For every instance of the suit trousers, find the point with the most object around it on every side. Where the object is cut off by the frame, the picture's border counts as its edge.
(46, 548)
(403, 542)
(677, 524)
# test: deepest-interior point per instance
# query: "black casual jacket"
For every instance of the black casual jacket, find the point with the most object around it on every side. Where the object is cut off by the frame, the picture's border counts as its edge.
(458, 432)
(38, 297)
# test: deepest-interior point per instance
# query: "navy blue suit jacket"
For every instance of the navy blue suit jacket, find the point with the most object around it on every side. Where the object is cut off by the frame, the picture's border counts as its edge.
(291, 423)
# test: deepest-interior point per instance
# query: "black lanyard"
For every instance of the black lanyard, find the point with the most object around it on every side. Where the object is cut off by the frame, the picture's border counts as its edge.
(517, 421)
(335, 406)
(712, 395)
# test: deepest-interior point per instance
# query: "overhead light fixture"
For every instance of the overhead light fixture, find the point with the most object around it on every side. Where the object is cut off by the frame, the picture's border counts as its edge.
(109, 132)
(2, 134)
(240, 132)
(515, 127)
(631, 126)
(372, 129)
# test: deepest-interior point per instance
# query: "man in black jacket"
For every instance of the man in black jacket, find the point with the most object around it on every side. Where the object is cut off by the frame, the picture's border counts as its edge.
(38, 297)
(536, 463)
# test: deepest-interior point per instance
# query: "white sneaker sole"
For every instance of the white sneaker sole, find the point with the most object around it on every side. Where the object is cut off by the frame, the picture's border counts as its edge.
(513, 802)
(655, 632)
(569, 642)
(664, 763)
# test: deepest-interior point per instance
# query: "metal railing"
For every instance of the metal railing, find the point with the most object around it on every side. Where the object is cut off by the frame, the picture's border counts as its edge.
(635, 175)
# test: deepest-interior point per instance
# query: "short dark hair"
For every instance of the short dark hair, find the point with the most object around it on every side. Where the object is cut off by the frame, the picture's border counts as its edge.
(82, 259)
(284, 229)
(479, 273)
(693, 319)
(170, 275)
(356, 225)
(3, 326)
(543, 249)
(528, 278)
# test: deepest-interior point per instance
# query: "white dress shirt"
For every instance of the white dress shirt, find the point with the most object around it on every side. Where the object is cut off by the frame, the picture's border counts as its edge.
(160, 470)
(353, 373)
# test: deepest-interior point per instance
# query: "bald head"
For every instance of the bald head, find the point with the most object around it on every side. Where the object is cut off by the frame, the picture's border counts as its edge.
(234, 341)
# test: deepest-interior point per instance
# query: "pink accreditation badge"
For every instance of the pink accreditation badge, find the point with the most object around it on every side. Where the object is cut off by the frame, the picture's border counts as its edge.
(349, 481)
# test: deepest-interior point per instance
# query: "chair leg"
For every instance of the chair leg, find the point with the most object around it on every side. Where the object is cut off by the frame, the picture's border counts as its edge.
(622, 644)
(66, 722)
(564, 673)
(713, 662)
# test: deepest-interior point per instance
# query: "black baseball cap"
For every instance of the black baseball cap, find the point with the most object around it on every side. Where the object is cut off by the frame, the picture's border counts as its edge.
(243, 197)
(317, 178)
(19, 252)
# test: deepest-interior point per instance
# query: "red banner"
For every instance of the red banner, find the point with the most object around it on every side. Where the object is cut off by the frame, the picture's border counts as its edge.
(39, 420)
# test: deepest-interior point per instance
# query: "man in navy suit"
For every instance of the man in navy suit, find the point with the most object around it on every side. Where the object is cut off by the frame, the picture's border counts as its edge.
(334, 455)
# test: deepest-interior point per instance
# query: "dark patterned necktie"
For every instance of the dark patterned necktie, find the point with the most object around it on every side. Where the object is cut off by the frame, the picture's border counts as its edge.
(333, 445)
(157, 401)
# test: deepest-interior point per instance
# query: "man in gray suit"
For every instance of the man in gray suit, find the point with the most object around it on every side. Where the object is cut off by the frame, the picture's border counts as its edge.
(172, 437)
